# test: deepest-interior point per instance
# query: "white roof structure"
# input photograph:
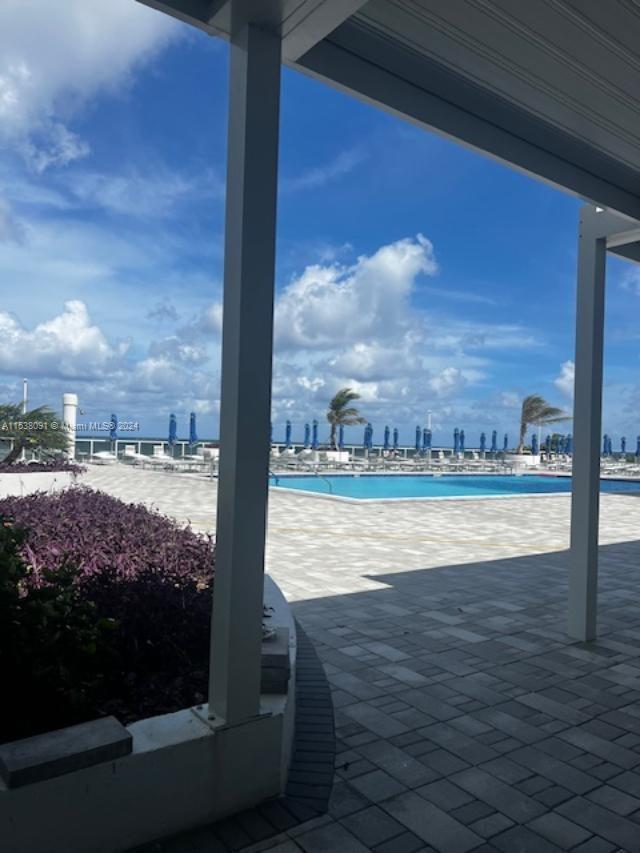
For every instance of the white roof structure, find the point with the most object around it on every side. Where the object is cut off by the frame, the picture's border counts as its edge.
(551, 87)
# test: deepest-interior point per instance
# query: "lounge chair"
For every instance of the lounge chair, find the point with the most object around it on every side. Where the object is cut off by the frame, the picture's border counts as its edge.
(305, 459)
(160, 459)
(104, 457)
(132, 456)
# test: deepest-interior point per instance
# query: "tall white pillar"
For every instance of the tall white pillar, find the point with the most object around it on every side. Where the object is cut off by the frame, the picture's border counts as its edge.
(587, 418)
(69, 419)
(247, 338)
(25, 406)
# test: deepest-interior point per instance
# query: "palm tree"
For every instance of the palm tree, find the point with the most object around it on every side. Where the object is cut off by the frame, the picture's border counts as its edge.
(39, 429)
(340, 412)
(536, 411)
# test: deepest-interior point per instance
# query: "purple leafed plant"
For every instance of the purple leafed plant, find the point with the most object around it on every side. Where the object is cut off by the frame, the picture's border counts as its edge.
(145, 575)
(101, 535)
(55, 466)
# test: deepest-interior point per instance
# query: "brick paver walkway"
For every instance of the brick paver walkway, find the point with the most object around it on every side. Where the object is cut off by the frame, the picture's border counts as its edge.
(465, 718)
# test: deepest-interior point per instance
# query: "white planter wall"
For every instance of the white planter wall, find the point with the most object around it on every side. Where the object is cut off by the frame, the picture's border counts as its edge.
(183, 772)
(19, 484)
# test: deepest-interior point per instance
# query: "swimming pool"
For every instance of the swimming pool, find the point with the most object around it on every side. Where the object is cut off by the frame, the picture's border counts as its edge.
(377, 487)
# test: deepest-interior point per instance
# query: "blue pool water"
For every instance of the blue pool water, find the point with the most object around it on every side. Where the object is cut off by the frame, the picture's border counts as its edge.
(412, 486)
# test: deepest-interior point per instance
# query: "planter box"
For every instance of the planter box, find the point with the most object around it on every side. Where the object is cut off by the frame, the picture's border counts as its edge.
(35, 759)
(20, 484)
(124, 787)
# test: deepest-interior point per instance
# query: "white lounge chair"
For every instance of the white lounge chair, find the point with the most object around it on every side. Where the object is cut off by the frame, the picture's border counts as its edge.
(160, 459)
(132, 456)
(104, 457)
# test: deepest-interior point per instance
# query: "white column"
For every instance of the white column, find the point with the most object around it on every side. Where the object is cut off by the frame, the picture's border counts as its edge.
(69, 419)
(252, 159)
(25, 406)
(587, 418)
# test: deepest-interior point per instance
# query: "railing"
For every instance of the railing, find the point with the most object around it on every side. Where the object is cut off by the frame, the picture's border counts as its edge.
(87, 447)
(327, 481)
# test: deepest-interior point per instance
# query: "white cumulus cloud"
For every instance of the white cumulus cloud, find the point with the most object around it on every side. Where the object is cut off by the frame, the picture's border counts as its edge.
(326, 304)
(631, 280)
(69, 345)
(449, 381)
(54, 58)
(565, 380)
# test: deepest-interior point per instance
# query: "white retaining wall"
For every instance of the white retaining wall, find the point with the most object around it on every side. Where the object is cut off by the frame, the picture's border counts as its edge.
(37, 481)
(183, 772)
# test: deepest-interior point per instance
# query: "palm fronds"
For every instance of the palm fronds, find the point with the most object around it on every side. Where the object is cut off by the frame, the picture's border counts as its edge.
(536, 412)
(38, 428)
(340, 412)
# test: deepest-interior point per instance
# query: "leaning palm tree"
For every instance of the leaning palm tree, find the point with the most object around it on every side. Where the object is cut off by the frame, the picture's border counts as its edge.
(536, 411)
(340, 412)
(39, 429)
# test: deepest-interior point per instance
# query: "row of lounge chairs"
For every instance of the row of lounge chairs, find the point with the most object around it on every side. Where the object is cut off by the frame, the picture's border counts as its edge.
(314, 460)
(205, 460)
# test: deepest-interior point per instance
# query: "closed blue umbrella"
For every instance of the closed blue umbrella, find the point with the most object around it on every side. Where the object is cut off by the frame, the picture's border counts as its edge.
(424, 438)
(314, 439)
(287, 434)
(387, 438)
(560, 444)
(610, 446)
(173, 430)
(193, 435)
(569, 444)
(547, 444)
(427, 440)
(307, 435)
(638, 446)
(113, 432)
(605, 444)
(483, 442)
(494, 441)
(505, 445)
(396, 437)
(341, 436)
(623, 445)
(534, 444)
(461, 441)
(369, 436)
(456, 440)
(418, 437)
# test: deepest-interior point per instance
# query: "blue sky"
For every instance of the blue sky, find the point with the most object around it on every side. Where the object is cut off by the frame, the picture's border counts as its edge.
(422, 274)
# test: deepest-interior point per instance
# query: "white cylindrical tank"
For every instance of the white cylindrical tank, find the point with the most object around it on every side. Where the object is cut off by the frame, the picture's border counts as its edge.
(70, 417)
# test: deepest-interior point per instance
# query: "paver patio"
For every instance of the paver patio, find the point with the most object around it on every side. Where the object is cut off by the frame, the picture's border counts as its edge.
(465, 718)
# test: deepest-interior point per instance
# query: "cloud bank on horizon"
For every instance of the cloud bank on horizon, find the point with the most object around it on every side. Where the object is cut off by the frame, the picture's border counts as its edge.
(111, 244)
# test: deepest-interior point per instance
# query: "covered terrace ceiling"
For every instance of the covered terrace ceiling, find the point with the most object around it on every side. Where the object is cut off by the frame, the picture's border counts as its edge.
(551, 87)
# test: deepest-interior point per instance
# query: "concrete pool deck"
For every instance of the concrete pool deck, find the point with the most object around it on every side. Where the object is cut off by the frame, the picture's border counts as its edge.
(317, 547)
(465, 718)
